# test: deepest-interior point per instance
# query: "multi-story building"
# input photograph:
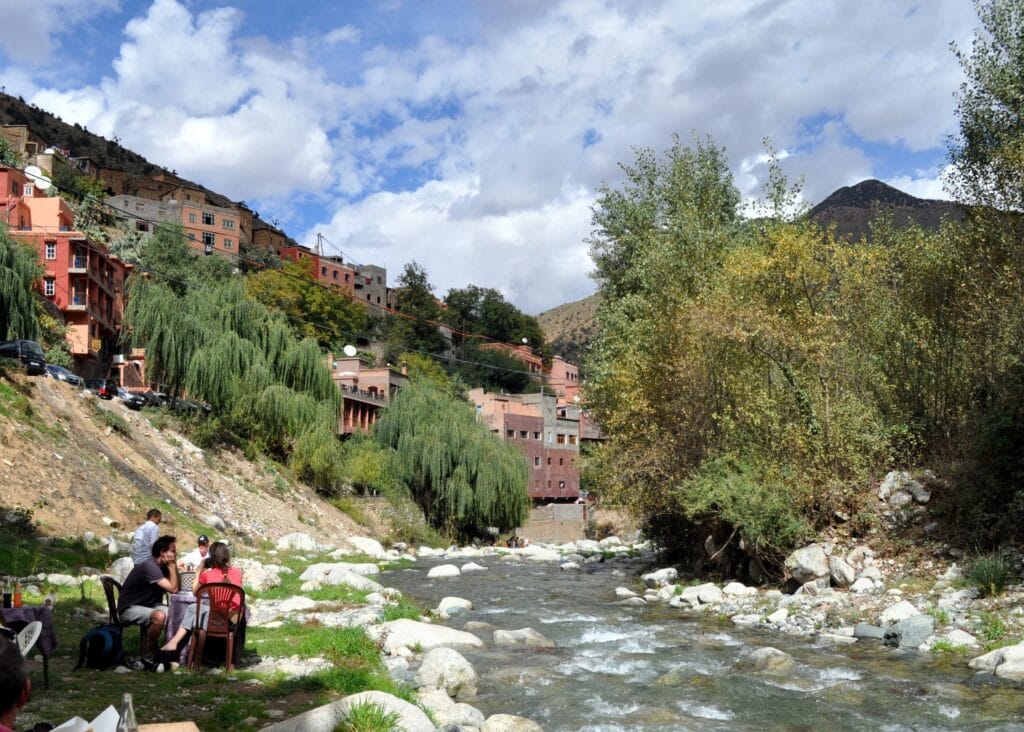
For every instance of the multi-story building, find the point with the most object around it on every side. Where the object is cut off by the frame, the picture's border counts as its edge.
(145, 214)
(546, 433)
(562, 377)
(371, 286)
(80, 277)
(330, 271)
(365, 392)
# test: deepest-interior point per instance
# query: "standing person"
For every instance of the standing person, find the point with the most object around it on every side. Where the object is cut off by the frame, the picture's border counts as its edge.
(197, 556)
(145, 535)
(142, 596)
(15, 685)
(220, 571)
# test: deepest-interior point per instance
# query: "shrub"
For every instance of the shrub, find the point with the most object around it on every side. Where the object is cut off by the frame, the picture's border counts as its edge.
(369, 717)
(113, 420)
(990, 574)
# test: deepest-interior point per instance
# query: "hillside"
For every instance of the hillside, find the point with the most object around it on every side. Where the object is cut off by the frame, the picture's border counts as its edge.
(63, 461)
(570, 327)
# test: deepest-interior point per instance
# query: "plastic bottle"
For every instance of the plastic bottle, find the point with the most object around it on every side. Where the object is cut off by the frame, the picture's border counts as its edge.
(17, 594)
(126, 722)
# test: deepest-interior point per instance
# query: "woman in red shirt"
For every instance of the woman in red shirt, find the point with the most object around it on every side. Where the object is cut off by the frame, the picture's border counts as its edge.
(220, 570)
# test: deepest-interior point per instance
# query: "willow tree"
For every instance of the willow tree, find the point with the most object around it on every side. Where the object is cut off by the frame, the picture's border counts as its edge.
(19, 271)
(462, 477)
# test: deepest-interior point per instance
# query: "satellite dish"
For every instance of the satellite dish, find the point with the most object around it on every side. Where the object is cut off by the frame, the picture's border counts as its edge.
(35, 174)
(350, 351)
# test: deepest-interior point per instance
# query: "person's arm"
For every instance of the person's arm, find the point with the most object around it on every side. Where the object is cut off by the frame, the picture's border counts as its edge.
(171, 582)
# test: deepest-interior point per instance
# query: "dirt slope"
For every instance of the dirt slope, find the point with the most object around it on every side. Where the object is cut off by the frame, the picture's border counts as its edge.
(58, 459)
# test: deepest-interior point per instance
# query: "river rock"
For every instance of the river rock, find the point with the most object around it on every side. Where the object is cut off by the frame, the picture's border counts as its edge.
(569, 566)
(632, 602)
(900, 611)
(587, 546)
(292, 667)
(510, 723)
(525, 637)
(738, 589)
(708, 593)
(1006, 663)
(862, 585)
(840, 571)
(427, 636)
(257, 576)
(900, 499)
(120, 568)
(910, 633)
(339, 573)
(866, 630)
(610, 542)
(472, 567)
(918, 491)
(297, 542)
(958, 598)
(622, 592)
(428, 551)
(443, 571)
(369, 547)
(661, 577)
(765, 660)
(448, 714)
(262, 612)
(538, 553)
(957, 637)
(778, 617)
(452, 606)
(807, 564)
(331, 716)
(62, 580)
(446, 668)
(357, 617)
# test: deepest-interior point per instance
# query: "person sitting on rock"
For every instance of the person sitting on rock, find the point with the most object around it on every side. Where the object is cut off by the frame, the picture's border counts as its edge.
(142, 597)
(220, 571)
(15, 685)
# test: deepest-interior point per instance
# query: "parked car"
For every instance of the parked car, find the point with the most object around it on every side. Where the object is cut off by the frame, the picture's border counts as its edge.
(62, 374)
(186, 406)
(28, 352)
(103, 388)
(155, 398)
(131, 399)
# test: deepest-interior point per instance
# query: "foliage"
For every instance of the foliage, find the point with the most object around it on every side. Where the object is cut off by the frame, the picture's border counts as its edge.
(8, 155)
(313, 309)
(19, 271)
(492, 369)
(414, 296)
(990, 574)
(53, 336)
(988, 154)
(167, 255)
(462, 478)
(112, 419)
(483, 311)
(366, 466)
(403, 608)
(369, 717)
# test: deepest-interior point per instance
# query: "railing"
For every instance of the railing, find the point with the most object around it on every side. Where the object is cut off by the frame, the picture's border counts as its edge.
(79, 263)
(354, 391)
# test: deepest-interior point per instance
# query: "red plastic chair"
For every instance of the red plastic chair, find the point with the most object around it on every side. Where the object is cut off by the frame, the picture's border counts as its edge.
(227, 608)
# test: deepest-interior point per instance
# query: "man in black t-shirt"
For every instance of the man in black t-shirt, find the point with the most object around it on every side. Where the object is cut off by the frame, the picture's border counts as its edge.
(142, 595)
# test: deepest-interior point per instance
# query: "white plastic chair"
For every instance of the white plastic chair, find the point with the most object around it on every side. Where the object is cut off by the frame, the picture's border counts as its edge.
(28, 637)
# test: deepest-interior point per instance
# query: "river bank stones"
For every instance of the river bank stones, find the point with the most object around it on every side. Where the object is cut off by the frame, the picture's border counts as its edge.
(447, 669)
(765, 660)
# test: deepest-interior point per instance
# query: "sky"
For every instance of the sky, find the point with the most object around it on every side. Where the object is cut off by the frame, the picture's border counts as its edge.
(473, 137)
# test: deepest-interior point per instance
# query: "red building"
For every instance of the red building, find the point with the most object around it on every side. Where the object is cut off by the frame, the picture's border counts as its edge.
(80, 277)
(328, 270)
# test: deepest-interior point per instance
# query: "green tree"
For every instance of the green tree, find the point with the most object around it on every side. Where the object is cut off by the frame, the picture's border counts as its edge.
(313, 309)
(8, 155)
(988, 154)
(19, 273)
(168, 256)
(414, 297)
(483, 311)
(461, 476)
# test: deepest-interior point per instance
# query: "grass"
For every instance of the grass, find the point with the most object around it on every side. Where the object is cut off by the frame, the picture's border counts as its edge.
(15, 404)
(940, 615)
(111, 419)
(944, 646)
(24, 554)
(369, 718)
(990, 574)
(404, 608)
(351, 508)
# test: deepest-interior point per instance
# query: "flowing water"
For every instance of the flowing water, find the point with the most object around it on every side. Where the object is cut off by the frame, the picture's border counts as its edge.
(656, 668)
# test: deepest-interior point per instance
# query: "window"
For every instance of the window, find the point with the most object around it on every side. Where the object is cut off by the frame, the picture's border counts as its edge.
(549, 484)
(536, 461)
(209, 219)
(561, 461)
(334, 274)
(346, 277)
(550, 437)
(192, 235)
(536, 435)
(549, 461)
(139, 207)
(191, 218)
(28, 189)
(228, 243)
(14, 188)
(522, 434)
(572, 439)
(51, 250)
(209, 239)
(510, 433)
(561, 439)
(142, 226)
(49, 287)
(323, 271)
(227, 223)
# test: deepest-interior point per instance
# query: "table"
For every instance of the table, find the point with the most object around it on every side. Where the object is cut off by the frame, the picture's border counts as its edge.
(17, 618)
(169, 727)
(178, 605)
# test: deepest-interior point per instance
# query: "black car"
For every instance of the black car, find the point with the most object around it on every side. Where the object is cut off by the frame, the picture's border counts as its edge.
(103, 388)
(27, 352)
(62, 374)
(131, 399)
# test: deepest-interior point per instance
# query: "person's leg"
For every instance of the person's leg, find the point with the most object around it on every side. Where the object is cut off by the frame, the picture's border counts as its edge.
(156, 626)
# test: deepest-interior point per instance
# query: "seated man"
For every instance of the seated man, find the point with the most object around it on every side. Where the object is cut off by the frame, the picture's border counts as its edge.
(195, 558)
(15, 686)
(142, 596)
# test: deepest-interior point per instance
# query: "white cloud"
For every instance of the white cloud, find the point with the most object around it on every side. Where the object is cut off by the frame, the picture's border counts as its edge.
(31, 29)
(342, 34)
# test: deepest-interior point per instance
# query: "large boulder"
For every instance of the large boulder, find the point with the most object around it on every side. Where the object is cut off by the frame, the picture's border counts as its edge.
(509, 723)
(448, 714)
(446, 668)
(1006, 663)
(738, 589)
(840, 571)
(910, 633)
(900, 611)
(426, 636)
(331, 716)
(661, 577)
(339, 574)
(120, 568)
(297, 542)
(526, 637)
(807, 564)
(443, 571)
(765, 660)
(452, 606)
(369, 547)
(257, 576)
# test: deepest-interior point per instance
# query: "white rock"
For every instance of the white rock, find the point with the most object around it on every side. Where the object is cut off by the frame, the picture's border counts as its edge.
(527, 637)
(836, 639)
(427, 636)
(900, 499)
(765, 660)
(918, 491)
(297, 542)
(959, 637)
(666, 593)
(892, 482)
(292, 667)
(120, 568)
(257, 576)
(473, 567)
(738, 589)
(1006, 663)
(62, 580)
(746, 620)
(369, 547)
(509, 723)
(895, 613)
(807, 564)
(427, 551)
(446, 668)
(330, 716)
(778, 617)
(871, 572)
(443, 571)
(862, 585)
(215, 522)
(452, 606)
(621, 592)
(709, 593)
(339, 574)
(609, 542)
(952, 574)
(840, 571)
(632, 602)
(569, 566)
(661, 577)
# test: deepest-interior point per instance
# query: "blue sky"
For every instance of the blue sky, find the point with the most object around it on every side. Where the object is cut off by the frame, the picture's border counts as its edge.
(472, 136)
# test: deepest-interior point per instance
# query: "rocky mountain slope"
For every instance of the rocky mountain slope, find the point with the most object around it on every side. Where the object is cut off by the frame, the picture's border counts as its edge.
(570, 327)
(65, 458)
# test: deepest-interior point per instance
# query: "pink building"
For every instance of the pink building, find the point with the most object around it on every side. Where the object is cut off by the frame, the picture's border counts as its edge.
(364, 391)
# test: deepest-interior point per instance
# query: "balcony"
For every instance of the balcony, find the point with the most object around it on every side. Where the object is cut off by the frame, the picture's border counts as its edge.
(79, 264)
(78, 303)
(362, 394)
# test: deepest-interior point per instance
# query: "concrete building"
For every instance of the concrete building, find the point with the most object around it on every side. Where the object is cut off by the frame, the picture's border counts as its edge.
(145, 214)
(371, 286)
(365, 391)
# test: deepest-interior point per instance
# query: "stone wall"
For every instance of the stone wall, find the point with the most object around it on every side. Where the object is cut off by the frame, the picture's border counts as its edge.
(555, 523)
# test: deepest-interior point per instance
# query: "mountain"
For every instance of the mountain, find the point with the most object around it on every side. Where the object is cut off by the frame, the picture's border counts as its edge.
(569, 328)
(851, 209)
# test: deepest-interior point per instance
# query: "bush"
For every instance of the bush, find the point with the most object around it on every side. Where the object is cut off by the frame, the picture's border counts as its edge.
(990, 574)
(369, 717)
(113, 420)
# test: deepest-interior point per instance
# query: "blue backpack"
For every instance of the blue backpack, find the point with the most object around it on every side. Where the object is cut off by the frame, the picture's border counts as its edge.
(101, 648)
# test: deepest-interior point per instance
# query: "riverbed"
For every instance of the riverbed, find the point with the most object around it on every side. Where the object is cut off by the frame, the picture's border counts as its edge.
(659, 668)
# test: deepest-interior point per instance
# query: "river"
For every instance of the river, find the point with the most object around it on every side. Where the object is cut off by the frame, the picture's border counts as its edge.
(658, 668)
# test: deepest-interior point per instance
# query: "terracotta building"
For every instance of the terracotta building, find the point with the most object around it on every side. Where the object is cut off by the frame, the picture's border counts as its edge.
(365, 392)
